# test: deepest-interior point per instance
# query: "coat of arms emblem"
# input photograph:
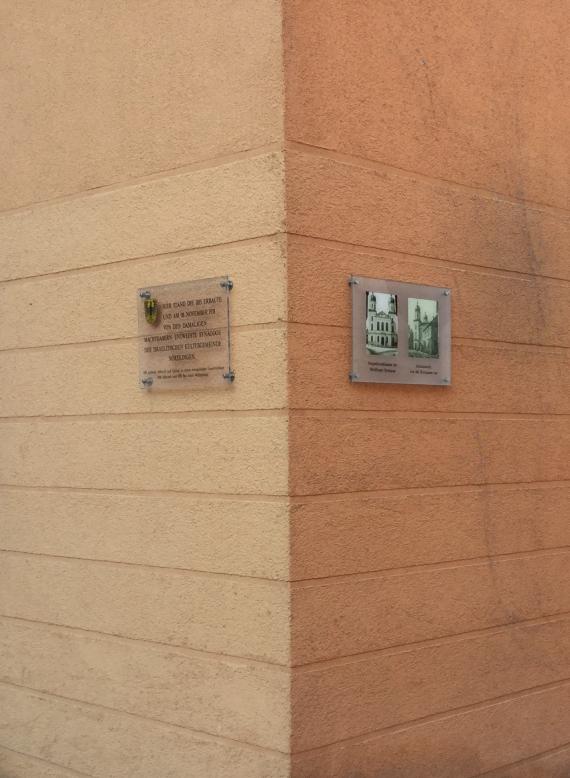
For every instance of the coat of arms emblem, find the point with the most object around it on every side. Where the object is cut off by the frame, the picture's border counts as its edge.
(151, 310)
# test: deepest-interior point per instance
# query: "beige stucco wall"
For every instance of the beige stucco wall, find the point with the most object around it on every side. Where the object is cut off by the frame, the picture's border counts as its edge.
(145, 547)
(102, 93)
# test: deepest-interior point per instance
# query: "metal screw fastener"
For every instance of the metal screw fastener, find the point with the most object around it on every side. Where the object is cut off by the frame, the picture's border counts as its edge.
(353, 376)
(227, 284)
(147, 382)
(445, 380)
(144, 295)
(446, 293)
(352, 281)
(230, 376)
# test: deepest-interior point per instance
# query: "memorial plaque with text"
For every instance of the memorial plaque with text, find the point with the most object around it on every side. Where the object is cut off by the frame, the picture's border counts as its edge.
(401, 333)
(184, 335)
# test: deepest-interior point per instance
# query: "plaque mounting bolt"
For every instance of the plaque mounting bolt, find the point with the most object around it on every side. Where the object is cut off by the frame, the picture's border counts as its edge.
(144, 294)
(445, 380)
(353, 376)
(147, 382)
(352, 281)
(230, 376)
(227, 284)
(446, 292)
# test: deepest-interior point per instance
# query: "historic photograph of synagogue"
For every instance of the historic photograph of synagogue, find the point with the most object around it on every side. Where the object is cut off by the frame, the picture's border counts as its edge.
(381, 323)
(423, 339)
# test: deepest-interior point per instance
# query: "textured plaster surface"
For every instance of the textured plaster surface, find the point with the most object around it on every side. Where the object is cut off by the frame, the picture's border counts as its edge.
(99, 742)
(427, 142)
(101, 94)
(467, 92)
(144, 602)
(207, 206)
(158, 681)
(468, 744)
(296, 577)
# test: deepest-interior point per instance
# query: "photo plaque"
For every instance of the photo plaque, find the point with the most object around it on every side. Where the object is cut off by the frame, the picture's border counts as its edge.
(401, 333)
(184, 335)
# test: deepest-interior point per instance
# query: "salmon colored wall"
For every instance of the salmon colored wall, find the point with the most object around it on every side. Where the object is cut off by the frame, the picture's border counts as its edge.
(428, 142)
(469, 93)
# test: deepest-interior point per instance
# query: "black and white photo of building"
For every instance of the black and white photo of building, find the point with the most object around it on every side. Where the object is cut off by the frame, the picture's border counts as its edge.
(381, 323)
(423, 328)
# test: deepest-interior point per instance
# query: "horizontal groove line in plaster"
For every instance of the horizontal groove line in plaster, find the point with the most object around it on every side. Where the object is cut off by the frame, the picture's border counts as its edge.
(289, 325)
(487, 343)
(300, 499)
(185, 571)
(203, 656)
(167, 724)
(263, 326)
(270, 411)
(208, 247)
(450, 264)
(429, 261)
(302, 583)
(444, 564)
(494, 344)
(529, 760)
(414, 723)
(443, 714)
(208, 496)
(416, 491)
(368, 163)
(205, 163)
(355, 413)
(308, 667)
(39, 760)
(404, 648)
(284, 411)
(456, 564)
(276, 497)
(110, 417)
(420, 489)
(347, 413)
(174, 646)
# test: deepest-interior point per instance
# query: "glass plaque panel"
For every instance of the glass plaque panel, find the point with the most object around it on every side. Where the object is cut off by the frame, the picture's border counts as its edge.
(184, 335)
(401, 333)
